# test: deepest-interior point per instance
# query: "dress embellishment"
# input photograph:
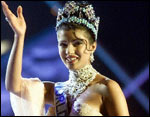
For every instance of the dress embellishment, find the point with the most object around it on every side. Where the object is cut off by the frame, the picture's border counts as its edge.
(79, 80)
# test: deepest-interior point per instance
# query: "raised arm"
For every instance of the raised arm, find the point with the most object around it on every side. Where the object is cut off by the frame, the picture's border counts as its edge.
(14, 67)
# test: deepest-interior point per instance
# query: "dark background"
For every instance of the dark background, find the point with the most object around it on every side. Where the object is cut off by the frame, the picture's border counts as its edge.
(123, 34)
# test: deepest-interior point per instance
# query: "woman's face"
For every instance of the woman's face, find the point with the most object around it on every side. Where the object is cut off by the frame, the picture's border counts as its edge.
(72, 45)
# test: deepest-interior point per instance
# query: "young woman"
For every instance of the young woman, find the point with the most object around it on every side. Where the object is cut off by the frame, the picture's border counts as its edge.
(87, 92)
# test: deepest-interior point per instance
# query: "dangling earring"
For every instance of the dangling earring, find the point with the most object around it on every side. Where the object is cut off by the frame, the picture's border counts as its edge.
(92, 58)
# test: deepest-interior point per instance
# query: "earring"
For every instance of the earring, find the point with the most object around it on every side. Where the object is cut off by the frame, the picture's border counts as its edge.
(92, 58)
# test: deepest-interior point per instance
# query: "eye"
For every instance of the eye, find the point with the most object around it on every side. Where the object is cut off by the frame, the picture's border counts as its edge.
(63, 45)
(77, 43)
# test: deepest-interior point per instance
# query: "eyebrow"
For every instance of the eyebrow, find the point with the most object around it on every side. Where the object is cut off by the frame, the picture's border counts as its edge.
(77, 39)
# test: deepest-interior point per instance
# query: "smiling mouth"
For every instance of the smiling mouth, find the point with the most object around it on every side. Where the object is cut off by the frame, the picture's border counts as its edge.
(71, 59)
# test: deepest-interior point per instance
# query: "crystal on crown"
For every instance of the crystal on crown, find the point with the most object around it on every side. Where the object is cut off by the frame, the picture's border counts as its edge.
(80, 14)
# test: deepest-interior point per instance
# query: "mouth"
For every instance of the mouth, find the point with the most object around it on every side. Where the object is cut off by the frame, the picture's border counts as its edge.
(71, 59)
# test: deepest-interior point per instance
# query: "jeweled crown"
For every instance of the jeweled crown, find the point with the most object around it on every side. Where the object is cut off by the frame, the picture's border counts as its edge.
(83, 14)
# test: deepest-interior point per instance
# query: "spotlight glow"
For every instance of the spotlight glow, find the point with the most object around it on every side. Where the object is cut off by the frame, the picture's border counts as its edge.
(5, 46)
(124, 78)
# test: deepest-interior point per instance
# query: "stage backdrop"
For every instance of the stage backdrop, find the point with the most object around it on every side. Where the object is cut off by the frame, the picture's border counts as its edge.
(122, 53)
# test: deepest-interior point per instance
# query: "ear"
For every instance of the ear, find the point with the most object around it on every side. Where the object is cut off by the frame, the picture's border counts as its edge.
(93, 47)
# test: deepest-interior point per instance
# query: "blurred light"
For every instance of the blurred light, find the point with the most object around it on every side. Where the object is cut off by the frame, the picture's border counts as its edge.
(133, 86)
(54, 10)
(122, 75)
(5, 46)
(137, 82)
(53, 3)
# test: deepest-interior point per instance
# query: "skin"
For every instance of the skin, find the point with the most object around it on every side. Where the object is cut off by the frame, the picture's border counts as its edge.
(113, 103)
(14, 68)
(75, 43)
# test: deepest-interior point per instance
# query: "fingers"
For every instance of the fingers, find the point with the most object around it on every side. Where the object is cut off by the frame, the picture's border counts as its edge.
(8, 13)
(6, 10)
(4, 6)
(19, 12)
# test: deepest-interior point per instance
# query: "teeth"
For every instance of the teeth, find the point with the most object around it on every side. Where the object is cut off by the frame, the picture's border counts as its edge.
(71, 59)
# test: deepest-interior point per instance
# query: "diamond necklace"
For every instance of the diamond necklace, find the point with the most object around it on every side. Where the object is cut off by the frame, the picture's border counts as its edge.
(79, 80)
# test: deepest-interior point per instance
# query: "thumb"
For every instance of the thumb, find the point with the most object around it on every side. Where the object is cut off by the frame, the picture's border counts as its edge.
(19, 11)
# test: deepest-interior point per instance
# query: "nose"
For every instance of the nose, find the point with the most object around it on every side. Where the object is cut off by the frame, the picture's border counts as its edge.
(70, 49)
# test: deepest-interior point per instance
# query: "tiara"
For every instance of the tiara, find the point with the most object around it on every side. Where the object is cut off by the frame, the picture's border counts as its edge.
(82, 14)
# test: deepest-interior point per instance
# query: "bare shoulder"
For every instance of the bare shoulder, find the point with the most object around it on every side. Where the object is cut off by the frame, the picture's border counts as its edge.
(49, 92)
(107, 81)
(109, 86)
(113, 87)
(115, 101)
(115, 92)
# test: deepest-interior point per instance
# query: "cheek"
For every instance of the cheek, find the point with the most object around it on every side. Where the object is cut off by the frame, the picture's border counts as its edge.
(61, 53)
(81, 50)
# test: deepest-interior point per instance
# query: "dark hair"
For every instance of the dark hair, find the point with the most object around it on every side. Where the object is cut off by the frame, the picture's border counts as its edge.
(73, 26)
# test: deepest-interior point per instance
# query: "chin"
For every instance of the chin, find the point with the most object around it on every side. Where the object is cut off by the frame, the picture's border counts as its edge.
(75, 66)
(72, 67)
